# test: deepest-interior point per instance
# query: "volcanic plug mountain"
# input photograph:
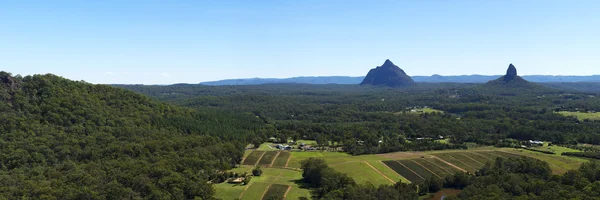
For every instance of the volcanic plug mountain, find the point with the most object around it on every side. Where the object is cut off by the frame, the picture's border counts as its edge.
(511, 79)
(388, 74)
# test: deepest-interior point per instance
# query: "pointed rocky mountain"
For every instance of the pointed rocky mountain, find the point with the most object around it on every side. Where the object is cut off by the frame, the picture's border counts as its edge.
(388, 74)
(512, 84)
(511, 79)
(511, 73)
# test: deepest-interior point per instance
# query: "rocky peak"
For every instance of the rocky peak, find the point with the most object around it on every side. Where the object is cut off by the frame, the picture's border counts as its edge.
(388, 63)
(511, 73)
(9, 81)
(388, 74)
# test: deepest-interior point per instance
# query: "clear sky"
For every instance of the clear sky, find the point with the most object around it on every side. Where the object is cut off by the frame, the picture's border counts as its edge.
(163, 42)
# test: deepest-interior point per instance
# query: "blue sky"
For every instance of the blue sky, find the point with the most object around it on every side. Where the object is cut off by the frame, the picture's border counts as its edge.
(163, 42)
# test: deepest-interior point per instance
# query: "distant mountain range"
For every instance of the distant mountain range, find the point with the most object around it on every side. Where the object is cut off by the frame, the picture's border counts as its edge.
(429, 79)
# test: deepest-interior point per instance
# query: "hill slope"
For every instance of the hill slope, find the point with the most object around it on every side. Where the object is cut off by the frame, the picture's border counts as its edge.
(64, 139)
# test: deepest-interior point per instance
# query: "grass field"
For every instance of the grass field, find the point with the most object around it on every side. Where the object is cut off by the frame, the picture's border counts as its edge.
(255, 191)
(385, 170)
(228, 191)
(367, 174)
(259, 185)
(558, 150)
(276, 191)
(253, 157)
(242, 169)
(267, 159)
(581, 115)
(282, 159)
(297, 192)
(267, 147)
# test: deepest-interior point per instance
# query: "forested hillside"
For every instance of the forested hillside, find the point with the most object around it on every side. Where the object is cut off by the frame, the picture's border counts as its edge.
(62, 139)
(378, 119)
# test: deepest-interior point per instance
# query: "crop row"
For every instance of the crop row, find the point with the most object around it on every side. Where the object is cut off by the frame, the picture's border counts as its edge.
(435, 168)
(252, 159)
(411, 164)
(403, 171)
(451, 158)
(267, 159)
(282, 159)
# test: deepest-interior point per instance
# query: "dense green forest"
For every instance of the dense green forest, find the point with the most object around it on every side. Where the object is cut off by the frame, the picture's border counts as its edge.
(62, 139)
(365, 119)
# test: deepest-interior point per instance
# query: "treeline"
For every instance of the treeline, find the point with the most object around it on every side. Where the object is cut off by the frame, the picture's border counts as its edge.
(587, 151)
(539, 150)
(63, 139)
(595, 155)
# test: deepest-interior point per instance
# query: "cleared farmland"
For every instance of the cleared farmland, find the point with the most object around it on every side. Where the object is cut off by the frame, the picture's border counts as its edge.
(253, 157)
(452, 158)
(281, 159)
(476, 165)
(267, 159)
(443, 165)
(434, 168)
(404, 171)
(255, 191)
(419, 169)
(276, 191)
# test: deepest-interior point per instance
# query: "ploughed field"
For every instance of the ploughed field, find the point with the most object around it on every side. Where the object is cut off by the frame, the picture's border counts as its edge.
(440, 165)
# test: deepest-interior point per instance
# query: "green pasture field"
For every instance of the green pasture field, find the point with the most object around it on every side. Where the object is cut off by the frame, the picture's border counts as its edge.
(259, 185)
(276, 191)
(255, 191)
(228, 191)
(362, 173)
(581, 115)
(267, 147)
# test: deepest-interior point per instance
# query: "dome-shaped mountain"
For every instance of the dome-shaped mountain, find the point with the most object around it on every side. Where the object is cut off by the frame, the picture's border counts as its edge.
(388, 74)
